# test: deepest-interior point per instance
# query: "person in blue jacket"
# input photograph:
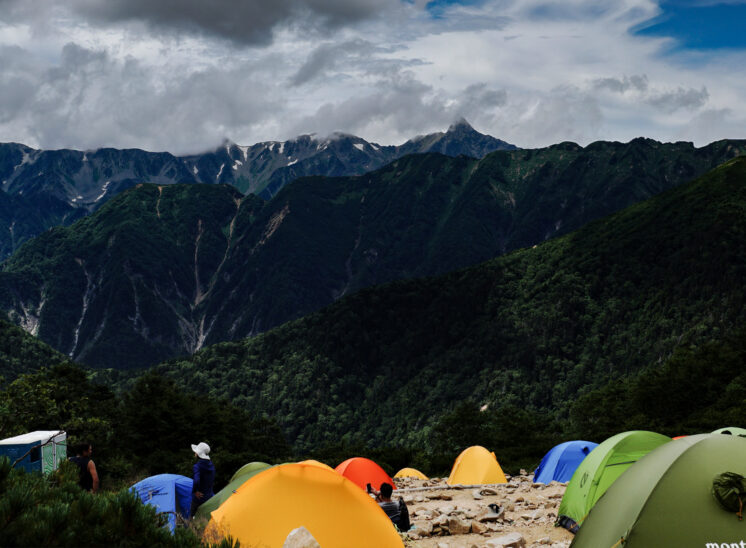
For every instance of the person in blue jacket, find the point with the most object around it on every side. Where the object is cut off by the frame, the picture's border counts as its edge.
(203, 476)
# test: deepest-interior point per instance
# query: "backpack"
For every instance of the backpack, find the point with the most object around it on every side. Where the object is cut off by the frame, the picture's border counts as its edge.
(729, 489)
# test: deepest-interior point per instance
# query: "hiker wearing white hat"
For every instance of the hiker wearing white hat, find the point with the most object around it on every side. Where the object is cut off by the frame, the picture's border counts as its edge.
(203, 476)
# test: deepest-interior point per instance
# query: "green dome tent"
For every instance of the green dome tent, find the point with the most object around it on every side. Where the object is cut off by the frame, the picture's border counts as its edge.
(243, 474)
(733, 430)
(600, 469)
(666, 499)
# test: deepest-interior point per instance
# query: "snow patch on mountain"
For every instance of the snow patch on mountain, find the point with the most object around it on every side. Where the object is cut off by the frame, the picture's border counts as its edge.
(104, 189)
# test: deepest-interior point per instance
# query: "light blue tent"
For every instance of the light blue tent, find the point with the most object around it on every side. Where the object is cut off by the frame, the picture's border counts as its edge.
(169, 493)
(560, 462)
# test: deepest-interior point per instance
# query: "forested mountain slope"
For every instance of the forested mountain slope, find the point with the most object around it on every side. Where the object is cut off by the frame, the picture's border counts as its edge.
(22, 353)
(161, 271)
(534, 328)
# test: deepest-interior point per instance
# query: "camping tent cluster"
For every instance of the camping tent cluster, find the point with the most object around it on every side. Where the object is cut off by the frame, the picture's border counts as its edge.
(262, 504)
(635, 489)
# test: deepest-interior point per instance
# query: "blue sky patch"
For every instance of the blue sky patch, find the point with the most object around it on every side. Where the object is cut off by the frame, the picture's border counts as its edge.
(699, 25)
(437, 8)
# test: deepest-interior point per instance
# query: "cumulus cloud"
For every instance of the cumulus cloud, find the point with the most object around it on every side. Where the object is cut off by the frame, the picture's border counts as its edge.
(637, 82)
(680, 98)
(90, 100)
(146, 74)
(665, 100)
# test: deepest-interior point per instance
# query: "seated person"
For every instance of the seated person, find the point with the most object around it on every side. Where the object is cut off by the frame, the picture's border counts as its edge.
(396, 511)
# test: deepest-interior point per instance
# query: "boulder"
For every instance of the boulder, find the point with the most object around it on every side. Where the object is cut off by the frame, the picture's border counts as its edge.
(511, 540)
(458, 526)
(424, 528)
(300, 538)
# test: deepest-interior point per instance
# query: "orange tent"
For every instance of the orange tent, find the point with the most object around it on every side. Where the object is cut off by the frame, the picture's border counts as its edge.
(265, 509)
(362, 471)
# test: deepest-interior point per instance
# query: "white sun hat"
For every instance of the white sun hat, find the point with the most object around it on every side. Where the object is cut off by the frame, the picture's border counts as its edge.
(202, 449)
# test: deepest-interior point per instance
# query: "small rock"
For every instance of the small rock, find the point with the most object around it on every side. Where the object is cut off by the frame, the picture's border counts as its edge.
(511, 540)
(300, 538)
(490, 517)
(487, 492)
(441, 521)
(478, 528)
(477, 495)
(545, 540)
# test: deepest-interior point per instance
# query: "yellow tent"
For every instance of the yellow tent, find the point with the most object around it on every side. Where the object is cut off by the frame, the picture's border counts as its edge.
(476, 466)
(338, 514)
(317, 463)
(410, 473)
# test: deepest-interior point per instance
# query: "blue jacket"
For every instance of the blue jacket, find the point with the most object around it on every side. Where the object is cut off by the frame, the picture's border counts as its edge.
(204, 478)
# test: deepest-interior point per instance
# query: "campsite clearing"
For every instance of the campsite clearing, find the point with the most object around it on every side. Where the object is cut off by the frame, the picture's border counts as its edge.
(460, 517)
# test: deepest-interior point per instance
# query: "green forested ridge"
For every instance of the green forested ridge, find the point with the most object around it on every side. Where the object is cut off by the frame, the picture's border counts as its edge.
(535, 329)
(146, 429)
(162, 271)
(20, 352)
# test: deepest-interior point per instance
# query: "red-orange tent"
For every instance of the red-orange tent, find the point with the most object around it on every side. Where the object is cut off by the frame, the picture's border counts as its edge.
(362, 471)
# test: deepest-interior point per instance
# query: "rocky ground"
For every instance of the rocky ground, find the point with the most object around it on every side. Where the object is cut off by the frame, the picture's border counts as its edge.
(460, 516)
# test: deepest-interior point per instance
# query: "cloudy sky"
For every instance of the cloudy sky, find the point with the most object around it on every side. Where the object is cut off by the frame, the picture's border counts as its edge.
(182, 75)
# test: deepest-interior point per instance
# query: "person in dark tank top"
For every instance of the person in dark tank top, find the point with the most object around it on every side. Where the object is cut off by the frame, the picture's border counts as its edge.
(87, 468)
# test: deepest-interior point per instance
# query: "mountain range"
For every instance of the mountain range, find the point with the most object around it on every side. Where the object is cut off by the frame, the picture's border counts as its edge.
(537, 330)
(46, 188)
(163, 270)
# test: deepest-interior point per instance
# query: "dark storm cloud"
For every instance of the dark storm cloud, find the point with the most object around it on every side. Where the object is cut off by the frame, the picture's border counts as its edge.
(241, 21)
(353, 55)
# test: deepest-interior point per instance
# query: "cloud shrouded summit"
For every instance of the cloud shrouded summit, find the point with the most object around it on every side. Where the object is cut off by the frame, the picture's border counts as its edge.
(182, 76)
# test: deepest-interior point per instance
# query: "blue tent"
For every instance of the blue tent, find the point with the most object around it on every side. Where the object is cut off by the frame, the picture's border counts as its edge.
(169, 493)
(560, 462)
